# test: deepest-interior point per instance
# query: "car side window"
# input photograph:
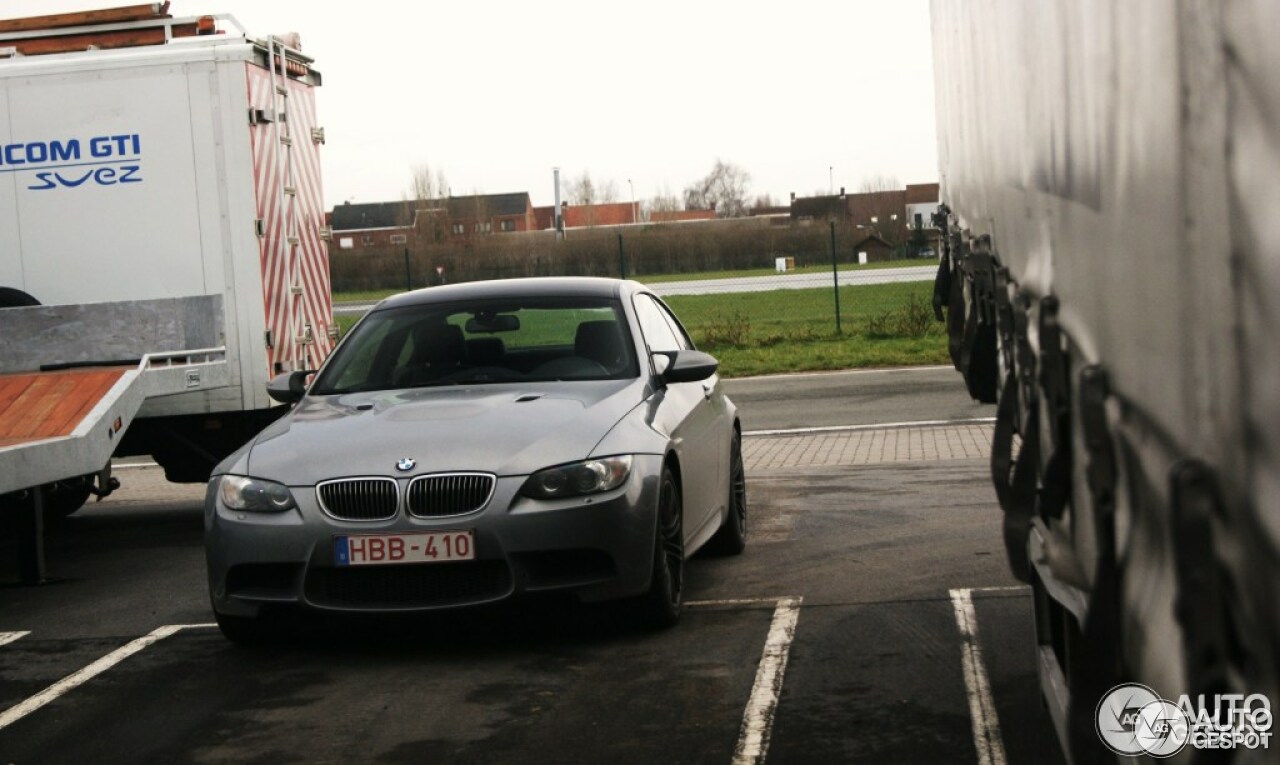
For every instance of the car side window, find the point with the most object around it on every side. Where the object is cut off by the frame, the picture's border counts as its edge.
(685, 343)
(359, 368)
(653, 324)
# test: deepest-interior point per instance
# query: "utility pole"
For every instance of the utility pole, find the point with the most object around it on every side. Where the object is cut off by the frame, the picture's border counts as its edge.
(556, 220)
(835, 275)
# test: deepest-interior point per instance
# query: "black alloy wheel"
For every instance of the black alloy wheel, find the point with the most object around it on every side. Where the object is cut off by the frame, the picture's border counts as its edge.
(661, 606)
(731, 539)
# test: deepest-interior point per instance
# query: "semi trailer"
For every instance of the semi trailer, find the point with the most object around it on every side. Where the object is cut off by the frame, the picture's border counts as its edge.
(1110, 176)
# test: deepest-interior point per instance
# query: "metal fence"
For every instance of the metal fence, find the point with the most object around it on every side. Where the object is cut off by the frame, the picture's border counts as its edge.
(738, 288)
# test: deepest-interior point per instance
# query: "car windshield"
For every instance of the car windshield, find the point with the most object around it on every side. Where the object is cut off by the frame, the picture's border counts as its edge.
(483, 342)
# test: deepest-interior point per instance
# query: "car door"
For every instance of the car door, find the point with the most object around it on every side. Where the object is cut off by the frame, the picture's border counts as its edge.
(687, 412)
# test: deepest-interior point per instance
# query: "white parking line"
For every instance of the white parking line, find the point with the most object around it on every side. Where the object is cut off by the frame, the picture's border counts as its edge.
(730, 602)
(870, 426)
(8, 637)
(982, 708)
(838, 372)
(79, 678)
(757, 720)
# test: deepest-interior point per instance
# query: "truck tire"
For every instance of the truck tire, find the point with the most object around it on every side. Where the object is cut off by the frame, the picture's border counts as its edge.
(14, 298)
(983, 375)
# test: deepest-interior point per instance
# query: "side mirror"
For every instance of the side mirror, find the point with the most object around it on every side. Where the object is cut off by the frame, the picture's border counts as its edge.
(684, 366)
(289, 387)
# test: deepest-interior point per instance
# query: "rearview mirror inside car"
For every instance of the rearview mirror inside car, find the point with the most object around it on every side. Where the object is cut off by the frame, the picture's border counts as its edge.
(487, 323)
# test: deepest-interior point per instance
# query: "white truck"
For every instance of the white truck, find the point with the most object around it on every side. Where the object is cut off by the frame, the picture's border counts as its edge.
(1110, 179)
(161, 208)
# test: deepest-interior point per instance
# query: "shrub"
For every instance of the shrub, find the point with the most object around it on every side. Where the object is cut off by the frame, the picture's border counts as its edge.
(731, 331)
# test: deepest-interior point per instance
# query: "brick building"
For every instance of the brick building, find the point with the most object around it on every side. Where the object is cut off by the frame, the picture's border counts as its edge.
(680, 216)
(582, 216)
(890, 215)
(389, 224)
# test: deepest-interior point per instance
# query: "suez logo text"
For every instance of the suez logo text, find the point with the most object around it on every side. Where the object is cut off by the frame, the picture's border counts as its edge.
(104, 160)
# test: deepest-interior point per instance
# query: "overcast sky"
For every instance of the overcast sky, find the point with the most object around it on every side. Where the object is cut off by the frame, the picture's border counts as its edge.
(497, 93)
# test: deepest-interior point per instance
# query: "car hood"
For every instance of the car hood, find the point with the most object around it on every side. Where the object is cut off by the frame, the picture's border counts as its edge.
(502, 429)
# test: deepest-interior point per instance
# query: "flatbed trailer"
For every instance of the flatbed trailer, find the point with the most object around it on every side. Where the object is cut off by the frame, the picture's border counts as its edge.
(59, 429)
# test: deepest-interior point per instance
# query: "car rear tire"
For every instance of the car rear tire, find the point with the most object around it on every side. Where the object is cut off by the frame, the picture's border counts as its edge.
(660, 607)
(731, 539)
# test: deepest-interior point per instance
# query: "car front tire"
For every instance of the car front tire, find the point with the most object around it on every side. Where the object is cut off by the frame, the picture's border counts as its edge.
(661, 606)
(245, 630)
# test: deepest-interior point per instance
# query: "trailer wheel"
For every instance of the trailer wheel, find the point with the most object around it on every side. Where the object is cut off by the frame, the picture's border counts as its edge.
(66, 498)
(61, 499)
(14, 298)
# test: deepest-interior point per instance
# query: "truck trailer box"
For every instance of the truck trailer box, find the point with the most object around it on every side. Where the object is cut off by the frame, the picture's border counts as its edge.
(180, 183)
(1109, 179)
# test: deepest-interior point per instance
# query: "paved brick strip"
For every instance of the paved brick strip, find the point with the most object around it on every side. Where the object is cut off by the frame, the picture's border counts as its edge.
(868, 446)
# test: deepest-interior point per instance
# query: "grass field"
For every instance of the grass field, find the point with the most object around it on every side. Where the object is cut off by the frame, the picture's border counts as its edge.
(824, 268)
(794, 330)
(374, 295)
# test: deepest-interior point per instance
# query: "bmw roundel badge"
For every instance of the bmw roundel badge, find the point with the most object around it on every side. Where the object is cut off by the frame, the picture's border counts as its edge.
(406, 464)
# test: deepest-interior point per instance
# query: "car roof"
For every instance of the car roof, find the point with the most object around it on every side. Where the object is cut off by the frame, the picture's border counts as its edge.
(540, 286)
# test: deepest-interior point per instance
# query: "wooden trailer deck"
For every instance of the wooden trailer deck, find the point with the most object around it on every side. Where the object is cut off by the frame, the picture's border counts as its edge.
(39, 405)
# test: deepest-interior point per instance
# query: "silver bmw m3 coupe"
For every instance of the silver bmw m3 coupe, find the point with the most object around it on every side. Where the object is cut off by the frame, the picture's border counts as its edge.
(468, 443)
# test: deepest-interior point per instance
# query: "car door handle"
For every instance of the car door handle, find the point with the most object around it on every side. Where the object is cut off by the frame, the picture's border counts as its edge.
(707, 390)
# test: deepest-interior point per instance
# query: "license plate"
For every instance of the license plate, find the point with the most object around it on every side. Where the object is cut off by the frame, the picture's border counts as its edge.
(382, 549)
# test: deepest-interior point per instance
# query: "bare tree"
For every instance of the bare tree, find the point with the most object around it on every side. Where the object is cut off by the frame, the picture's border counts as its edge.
(425, 184)
(873, 183)
(724, 190)
(581, 190)
(585, 191)
(763, 202)
(606, 192)
(664, 202)
(425, 210)
(659, 204)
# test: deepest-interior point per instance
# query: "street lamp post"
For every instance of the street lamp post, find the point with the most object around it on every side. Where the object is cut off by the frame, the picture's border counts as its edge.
(635, 213)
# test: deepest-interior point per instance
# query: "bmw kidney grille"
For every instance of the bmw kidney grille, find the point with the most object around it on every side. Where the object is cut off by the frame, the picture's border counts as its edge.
(359, 499)
(436, 496)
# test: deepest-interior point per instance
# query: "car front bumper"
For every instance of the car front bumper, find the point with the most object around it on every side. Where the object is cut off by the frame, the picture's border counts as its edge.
(598, 547)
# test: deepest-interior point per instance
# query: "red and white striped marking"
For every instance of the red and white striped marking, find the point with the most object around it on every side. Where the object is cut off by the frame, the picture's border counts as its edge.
(272, 208)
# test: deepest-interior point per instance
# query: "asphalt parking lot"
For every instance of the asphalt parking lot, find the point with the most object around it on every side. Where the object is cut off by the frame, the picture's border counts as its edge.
(872, 619)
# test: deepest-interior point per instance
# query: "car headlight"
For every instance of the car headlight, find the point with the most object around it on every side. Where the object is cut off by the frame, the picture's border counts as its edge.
(254, 494)
(589, 477)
